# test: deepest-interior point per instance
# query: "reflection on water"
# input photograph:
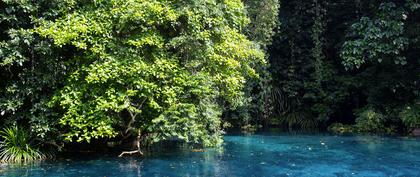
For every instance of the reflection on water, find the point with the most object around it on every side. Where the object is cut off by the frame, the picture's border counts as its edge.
(255, 155)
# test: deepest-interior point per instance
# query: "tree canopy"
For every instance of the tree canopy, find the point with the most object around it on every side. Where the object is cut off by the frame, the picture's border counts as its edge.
(166, 69)
(165, 65)
(77, 71)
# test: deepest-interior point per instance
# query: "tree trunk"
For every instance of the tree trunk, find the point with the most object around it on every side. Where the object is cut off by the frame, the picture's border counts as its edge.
(137, 144)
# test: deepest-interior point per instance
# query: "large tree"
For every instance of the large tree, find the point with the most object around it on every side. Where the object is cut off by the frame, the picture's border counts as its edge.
(152, 69)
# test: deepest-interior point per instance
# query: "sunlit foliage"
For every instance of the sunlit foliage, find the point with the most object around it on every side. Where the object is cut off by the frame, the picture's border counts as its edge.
(162, 67)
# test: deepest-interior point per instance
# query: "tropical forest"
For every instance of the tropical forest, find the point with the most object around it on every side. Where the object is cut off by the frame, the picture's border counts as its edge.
(209, 88)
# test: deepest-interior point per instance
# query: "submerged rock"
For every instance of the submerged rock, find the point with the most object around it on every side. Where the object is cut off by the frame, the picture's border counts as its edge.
(416, 132)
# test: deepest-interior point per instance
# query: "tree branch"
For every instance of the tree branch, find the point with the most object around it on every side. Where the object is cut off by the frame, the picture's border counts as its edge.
(130, 153)
(138, 139)
(133, 116)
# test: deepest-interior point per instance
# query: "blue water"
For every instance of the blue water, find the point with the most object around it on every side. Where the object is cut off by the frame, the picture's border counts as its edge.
(255, 155)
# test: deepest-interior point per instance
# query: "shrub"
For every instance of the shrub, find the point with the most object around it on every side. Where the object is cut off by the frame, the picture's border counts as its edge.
(249, 129)
(368, 120)
(299, 120)
(341, 128)
(16, 147)
(410, 115)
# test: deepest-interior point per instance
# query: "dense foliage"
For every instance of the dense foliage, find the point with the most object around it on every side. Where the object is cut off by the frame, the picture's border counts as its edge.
(351, 62)
(155, 70)
(257, 107)
(117, 69)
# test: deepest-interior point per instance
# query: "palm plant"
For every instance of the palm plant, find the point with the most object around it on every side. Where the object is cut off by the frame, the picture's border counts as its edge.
(15, 146)
(300, 120)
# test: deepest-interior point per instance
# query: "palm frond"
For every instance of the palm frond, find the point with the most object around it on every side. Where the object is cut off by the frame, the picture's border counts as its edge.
(15, 146)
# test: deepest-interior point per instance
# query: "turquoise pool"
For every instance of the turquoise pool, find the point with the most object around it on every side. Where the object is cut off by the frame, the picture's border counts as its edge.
(254, 155)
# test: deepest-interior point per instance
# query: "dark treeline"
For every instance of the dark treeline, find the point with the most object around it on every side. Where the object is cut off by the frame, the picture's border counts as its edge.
(132, 73)
(348, 62)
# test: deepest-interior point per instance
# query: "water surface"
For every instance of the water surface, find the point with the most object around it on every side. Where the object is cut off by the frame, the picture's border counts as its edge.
(253, 155)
